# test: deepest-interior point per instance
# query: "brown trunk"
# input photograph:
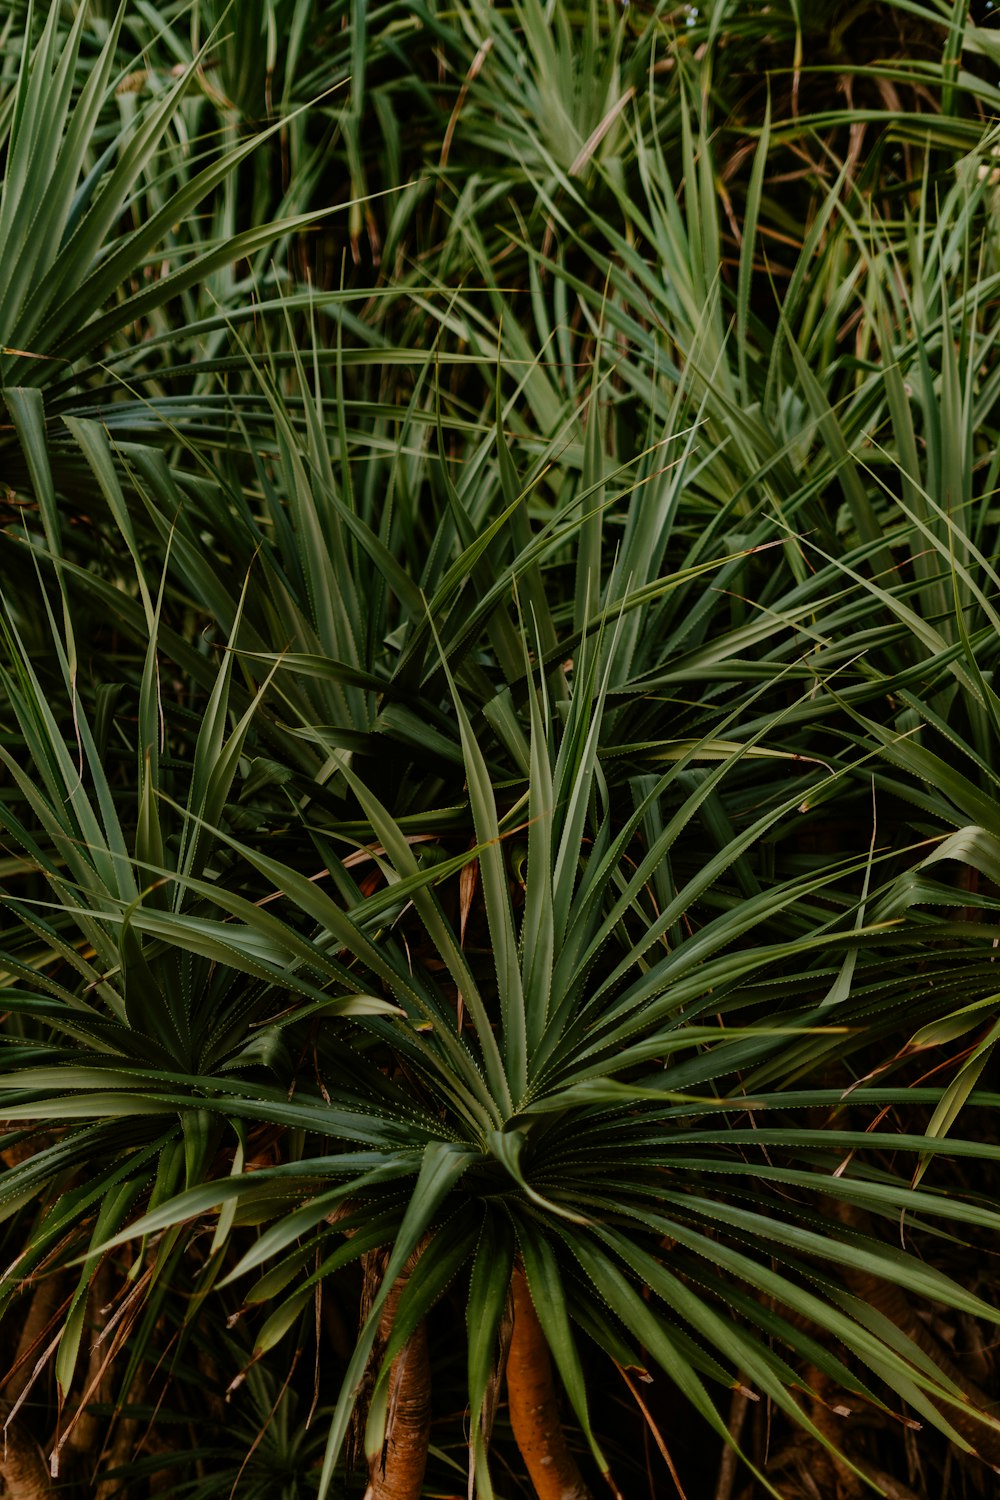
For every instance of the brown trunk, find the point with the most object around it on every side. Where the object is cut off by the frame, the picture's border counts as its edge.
(729, 1460)
(24, 1474)
(534, 1407)
(398, 1474)
(891, 1301)
(123, 1446)
(41, 1317)
(13, 1156)
(828, 1468)
(82, 1439)
(23, 1470)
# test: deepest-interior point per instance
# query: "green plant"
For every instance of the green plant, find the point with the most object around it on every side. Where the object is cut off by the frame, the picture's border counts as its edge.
(498, 740)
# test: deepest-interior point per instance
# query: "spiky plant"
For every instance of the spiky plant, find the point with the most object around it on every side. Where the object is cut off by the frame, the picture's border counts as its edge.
(498, 749)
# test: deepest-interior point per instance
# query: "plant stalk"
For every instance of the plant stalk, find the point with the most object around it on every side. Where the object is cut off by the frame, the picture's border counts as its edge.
(534, 1405)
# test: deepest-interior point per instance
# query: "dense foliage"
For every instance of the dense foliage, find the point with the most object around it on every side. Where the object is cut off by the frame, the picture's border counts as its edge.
(499, 748)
